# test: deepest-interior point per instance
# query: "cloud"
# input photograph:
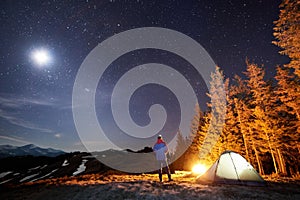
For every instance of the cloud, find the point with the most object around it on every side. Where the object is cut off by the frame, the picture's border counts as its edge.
(15, 120)
(14, 139)
(12, 105)
(13, 101)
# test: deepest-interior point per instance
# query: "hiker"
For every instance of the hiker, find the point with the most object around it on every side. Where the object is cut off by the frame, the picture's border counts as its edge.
(160, 148)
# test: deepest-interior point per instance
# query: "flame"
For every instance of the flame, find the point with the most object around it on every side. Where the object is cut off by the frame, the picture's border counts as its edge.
(199, 169)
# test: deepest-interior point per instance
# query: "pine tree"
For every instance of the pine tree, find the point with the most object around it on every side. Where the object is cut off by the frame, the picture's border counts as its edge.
(225, 139)
(241, 101)
(179, 153)
(217, 107)
(196, 139)
(192, 143)
(288, 92)
(236, 117)
(265, 124)
(288, 122)
(287, 32)
(203, 150)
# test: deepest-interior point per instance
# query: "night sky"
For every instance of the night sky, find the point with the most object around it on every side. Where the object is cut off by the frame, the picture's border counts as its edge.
(36, 97)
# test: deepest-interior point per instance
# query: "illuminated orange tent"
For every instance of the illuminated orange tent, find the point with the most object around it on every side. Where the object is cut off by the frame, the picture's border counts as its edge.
(231, 168)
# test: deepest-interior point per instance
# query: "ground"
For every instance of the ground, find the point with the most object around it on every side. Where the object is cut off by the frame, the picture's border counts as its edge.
(144, 186)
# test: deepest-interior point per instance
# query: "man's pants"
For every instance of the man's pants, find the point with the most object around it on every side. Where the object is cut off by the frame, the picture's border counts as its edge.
(163, 164)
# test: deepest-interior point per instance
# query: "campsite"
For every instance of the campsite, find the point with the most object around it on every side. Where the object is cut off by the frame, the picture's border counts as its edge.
(229, 177)
(150, 99)
(232, 168)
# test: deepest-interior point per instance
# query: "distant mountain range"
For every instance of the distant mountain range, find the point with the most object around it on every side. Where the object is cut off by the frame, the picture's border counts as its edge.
(30, 149)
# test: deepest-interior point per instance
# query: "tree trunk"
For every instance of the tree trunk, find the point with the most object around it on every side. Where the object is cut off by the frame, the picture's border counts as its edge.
(282, 163)
(260, 168)
(272, 154)
(242, 131)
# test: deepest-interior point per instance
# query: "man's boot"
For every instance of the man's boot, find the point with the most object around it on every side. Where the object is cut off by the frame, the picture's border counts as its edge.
(160, 177)
(169, 176)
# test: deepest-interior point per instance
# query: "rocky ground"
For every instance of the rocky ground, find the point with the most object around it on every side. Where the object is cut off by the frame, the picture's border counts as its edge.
(145, 186)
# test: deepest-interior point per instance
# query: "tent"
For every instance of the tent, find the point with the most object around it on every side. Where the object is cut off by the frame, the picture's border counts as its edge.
(231, 168)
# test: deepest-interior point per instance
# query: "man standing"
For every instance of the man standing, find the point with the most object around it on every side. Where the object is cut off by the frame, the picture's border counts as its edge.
(160, 148)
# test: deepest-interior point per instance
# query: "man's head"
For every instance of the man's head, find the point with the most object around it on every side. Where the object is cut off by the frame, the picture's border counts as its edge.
(159, 137)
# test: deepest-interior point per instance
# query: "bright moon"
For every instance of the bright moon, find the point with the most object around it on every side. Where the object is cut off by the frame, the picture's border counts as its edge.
(41, 57)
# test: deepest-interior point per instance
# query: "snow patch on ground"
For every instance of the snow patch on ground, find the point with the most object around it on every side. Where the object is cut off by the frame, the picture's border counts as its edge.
(4, 174)
(44, 175)
(44, 166)
(28, 177)
(81, 168)
(65, 163)
(6, 181)
(34, 168)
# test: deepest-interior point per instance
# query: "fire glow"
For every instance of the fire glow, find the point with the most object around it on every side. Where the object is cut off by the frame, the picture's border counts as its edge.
(199, 169)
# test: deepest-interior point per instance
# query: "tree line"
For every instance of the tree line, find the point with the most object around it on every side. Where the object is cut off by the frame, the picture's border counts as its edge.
(262, 120)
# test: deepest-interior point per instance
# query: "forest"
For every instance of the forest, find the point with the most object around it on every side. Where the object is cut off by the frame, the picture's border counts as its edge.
(262, 120)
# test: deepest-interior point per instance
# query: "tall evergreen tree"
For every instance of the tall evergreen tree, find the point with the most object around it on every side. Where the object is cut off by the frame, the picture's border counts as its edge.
(179, 154)
(195, 137)
(240, 95)
(237, 117)
(217, 107)
(264, 118)
(288, 91)
(227, 139)
(288, 123)
(287, 32)
(192, 143)
(203, 150)
(198, 133)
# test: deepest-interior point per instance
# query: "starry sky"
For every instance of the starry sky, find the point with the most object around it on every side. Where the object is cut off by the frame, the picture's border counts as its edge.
(36, 98)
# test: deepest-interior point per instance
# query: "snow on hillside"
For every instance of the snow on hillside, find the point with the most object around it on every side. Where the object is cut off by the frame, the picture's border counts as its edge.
(20, 169)
(42, 177)
(65, 163)
(5, 181)
(3, 174)
(28, 177)
(81, 168)
(34, 168)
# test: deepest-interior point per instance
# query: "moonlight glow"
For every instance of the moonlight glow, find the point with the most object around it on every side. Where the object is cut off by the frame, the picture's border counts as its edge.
(41, 57)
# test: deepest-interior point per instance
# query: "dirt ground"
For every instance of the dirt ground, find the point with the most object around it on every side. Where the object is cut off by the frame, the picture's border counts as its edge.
(145, 186)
